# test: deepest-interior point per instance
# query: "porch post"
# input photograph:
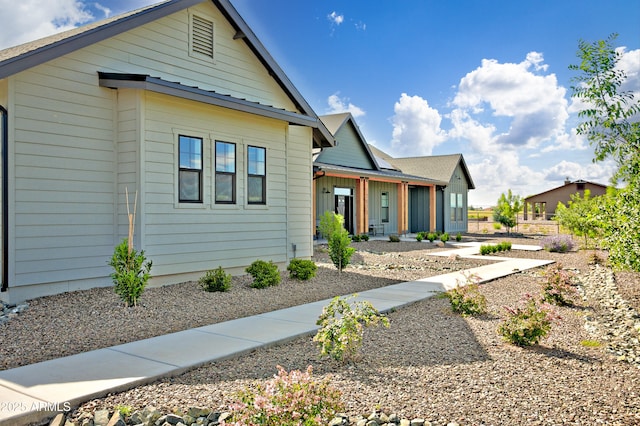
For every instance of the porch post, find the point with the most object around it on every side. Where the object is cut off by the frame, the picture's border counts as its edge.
(403, 210)
(432, 208)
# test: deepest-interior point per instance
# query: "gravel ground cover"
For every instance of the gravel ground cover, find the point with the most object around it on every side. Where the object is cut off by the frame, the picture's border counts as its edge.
(430, 364)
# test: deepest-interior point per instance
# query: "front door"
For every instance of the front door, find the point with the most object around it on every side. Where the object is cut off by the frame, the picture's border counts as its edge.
(344, 206)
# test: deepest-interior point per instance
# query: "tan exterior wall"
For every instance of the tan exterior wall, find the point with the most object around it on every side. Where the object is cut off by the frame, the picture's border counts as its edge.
(559, 195)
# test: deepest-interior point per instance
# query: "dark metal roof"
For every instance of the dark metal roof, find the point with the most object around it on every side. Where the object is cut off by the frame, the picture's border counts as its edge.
(158, 85)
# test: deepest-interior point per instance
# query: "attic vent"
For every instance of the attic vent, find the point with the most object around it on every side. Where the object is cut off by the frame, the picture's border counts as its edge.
(201, 36)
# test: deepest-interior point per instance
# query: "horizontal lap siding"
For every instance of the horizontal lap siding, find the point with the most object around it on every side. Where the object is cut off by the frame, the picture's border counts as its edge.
(182, 238)
(299, 171)
(63, 157)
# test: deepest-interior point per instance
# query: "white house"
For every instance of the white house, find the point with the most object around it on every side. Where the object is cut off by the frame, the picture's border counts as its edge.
(178, 101)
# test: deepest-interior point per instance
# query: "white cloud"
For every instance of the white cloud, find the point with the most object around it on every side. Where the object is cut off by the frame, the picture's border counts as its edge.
(335, 18)
(416, 126)
(28, 20)
(338, 105)
(534, 104)
(103, 9)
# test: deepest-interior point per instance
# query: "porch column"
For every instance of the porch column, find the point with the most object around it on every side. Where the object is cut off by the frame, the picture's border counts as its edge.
(526, 207)
(313, 207)
(362, 200)
(403, 208)
(432, 208)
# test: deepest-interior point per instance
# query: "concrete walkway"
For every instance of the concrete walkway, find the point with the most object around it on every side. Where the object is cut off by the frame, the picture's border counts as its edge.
(35, 392)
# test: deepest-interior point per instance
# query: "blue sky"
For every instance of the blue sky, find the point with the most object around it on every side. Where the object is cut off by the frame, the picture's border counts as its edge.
(488, 79)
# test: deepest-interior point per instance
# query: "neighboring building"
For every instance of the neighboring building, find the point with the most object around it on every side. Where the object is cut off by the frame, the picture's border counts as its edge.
(452, 198)
(379, 194)
(543, 205)
(178, 101)
(373, 196)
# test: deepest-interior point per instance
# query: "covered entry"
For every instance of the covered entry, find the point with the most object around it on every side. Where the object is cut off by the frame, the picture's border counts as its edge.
(343, 199)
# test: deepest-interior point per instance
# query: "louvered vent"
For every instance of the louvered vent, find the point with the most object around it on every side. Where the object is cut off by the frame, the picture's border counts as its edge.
(202, 36)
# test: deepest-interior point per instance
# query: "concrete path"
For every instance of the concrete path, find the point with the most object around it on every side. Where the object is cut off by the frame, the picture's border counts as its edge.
(35, 392)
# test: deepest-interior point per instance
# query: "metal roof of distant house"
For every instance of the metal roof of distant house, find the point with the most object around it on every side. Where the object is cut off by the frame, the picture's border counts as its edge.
(567, 182)
(19, 58)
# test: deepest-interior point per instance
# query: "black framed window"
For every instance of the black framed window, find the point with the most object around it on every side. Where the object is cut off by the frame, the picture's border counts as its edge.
(225, 172)
(384, 207)
(256, 175)
(190, 169)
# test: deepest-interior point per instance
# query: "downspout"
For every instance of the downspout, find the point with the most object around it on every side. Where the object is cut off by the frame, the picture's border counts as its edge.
(5, 193)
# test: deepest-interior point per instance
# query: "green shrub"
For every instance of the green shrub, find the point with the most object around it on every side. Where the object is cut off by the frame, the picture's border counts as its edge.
(495, 248)
(466, 299)
(130, 274)
(527, 323)
(394, 238)
(431, 236)
(458, 237)
(342, 327)
(330, 222)
(215, 280)
(497, 225)
(302, 269)
(360, 237)
(340, 251)
(364, 237)
(420, 236)
(558, 285)
(265, 274)
(444, 237)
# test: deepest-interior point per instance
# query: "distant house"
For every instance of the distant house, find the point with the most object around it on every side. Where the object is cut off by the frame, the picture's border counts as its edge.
(178, 101)
(452, 197)
(543, 205)
(379, 194)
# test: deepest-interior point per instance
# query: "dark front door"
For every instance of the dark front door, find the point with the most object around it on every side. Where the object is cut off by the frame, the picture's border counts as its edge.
(418, 209)
(344, 207)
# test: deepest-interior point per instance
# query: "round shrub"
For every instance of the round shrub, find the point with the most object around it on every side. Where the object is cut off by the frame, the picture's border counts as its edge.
(215, 280)
(558, 243)
(302, 269)
(265, 274)
(444, 237)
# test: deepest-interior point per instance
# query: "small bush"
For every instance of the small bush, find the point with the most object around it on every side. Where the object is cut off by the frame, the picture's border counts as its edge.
(265, 274)
(340, 251)
(458, 237)
(495, 248)
(444, 237)
(330, 222)
(558, 285)
(215, 280)
(497, 225)
(342, 327)
(431, 236)
(302, 269)
(420, 236)
(360, 237)
(394, 238)
(466, 298)
(558, 243)
(293, 398)
(527, 323)
(131, 272)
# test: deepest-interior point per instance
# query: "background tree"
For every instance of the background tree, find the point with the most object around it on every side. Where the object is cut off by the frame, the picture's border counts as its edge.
(507, 209)
(582, 216)
(611, 124)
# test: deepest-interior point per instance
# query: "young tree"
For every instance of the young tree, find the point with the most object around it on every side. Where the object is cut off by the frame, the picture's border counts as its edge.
(582, 216)
(610, 117)
(507, 209)
(611, 123)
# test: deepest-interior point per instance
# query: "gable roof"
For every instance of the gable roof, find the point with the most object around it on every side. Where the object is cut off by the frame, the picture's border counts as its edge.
(335, 122)
(437, 167)
(19, 58)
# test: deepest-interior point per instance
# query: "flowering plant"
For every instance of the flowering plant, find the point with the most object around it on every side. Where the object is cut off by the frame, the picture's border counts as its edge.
(558, 285)
(558, 243)
(528, 322)
(342, 327)
(293, 398)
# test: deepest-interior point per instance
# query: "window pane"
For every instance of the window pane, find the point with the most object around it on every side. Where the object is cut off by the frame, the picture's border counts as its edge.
(384, 202)
(225, 157)
(256, 161)
(190, 153)
(225, 188)
(255, 190)
(189, 185)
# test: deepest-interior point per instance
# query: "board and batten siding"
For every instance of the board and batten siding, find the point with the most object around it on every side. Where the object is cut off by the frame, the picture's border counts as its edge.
(457, 185)
(349, 152)
(375, 205)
